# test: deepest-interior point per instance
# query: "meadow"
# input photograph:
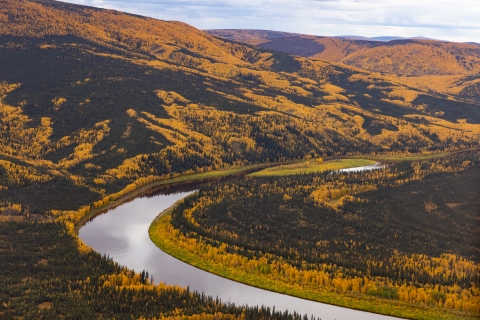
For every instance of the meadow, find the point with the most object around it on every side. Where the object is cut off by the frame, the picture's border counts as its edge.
(311, 166)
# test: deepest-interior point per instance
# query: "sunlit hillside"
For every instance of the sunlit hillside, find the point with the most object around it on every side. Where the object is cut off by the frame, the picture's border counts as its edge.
(96, 102)
(415, 57)
(418, 58)
(445, 67)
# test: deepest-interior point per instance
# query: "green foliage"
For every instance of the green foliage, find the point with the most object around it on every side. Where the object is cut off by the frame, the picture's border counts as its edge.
(453, 110)
(57, 193)
(3, 172)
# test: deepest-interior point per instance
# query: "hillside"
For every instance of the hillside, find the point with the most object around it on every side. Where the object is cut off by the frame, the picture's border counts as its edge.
(250, 36)
(325, 48)
(415, 57)
(104, 102)
(432, 65)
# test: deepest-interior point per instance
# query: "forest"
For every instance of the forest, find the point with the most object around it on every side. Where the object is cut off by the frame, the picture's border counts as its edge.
(407, 233)
(72, 116)
(98, 106)
(44, 275)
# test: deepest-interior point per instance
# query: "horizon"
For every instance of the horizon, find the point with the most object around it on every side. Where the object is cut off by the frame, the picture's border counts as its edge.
(348, 36)
(438, 20)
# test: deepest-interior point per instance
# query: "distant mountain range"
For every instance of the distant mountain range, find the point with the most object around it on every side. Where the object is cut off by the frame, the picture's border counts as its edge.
(417, 56)
(381, 38)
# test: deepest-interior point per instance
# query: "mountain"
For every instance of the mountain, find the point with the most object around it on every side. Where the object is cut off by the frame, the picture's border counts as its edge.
(416, 56)
(95, 102)
(250, 36)
(445, 67)
(388, 38)
(382, 38)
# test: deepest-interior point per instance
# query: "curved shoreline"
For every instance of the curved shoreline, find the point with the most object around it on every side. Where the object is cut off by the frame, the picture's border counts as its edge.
(227, 172)
(153, 229)
(147, 189)
(361, 304)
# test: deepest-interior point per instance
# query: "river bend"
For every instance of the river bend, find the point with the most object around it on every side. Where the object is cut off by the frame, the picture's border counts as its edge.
(122, 234)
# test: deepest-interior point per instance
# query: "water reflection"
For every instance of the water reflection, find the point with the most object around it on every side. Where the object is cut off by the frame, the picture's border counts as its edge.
(122, 234)
(375, 166)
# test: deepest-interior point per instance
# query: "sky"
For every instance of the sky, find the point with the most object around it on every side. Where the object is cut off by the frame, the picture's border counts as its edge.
(452, 20)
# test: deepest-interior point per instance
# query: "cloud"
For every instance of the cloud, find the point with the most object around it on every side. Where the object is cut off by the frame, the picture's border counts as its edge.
(441, 19)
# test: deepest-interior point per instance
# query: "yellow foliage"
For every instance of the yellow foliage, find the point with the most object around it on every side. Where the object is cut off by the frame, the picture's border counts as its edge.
(57, 102)
(408, 96)
(131, 113)
(286, 197)
(18, 175)
(327, 276)
(170, 97)
(331, 89)
(99, 181)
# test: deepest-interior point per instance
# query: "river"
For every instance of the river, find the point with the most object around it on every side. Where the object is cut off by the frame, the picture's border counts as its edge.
(122, 234)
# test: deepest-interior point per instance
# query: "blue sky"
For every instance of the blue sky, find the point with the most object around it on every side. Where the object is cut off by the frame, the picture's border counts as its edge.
(440, 19)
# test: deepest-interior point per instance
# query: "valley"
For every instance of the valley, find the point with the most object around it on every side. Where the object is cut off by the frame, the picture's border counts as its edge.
(98, 106)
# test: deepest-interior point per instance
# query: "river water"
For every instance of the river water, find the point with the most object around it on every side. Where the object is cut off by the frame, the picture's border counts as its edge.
(375, 166)
(122, 234)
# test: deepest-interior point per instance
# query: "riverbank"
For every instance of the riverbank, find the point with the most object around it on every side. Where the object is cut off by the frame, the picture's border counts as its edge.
(217, 174)
(231, 171)
(255, 272)
(166, 238)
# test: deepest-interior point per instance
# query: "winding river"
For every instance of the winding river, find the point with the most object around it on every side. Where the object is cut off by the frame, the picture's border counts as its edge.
(122, 234)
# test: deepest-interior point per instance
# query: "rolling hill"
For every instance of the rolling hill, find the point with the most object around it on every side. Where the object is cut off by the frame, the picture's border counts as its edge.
(433, 65)
(417, 57)
(97, 101)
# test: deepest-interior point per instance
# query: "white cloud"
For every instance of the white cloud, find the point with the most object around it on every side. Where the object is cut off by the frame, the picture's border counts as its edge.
(441, 19)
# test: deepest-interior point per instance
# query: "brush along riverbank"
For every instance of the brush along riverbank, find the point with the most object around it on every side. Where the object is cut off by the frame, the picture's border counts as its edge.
(281, 234)
(172, 242)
